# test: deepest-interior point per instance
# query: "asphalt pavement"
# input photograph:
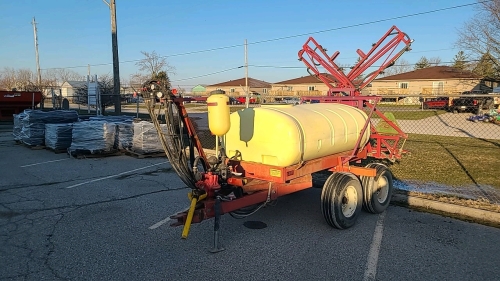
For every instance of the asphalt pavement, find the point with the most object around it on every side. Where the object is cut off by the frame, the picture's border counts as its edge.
(107, 219)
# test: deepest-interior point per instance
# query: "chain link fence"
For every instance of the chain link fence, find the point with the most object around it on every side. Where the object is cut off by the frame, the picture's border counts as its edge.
(453, 142)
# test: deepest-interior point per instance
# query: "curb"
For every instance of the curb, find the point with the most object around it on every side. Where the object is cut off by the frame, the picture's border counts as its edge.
(455, 211)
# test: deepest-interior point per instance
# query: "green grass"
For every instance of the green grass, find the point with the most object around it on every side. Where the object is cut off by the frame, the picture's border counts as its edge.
(400, 115)
(406, 106)
(412, 115)
(451, 161)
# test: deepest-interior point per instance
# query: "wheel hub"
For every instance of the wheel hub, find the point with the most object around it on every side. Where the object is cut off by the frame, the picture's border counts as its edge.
(382, 189)
(349, 201)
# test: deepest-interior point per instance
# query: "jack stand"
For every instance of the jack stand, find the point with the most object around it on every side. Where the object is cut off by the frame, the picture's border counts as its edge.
(217, 247)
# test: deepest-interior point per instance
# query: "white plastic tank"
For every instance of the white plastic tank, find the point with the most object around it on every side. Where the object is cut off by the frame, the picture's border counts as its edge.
(283, 136)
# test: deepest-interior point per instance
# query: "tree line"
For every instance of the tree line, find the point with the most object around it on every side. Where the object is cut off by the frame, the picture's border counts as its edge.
(478, 40)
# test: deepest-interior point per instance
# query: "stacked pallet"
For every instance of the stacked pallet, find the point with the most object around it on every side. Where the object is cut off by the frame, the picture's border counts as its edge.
(32, 130)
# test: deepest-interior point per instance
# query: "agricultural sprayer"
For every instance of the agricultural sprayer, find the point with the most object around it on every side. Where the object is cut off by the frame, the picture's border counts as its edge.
(266, 152)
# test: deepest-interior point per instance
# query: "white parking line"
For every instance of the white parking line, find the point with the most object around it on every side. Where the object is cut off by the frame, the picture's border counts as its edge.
(164, 221)
(112, 176)
(29, 165)
(371, 264)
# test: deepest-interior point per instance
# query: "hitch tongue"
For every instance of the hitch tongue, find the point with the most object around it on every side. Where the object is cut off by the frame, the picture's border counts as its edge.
(195, 196)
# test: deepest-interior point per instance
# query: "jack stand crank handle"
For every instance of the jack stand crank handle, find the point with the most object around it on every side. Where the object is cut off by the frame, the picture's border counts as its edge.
(195, 197)
(189, 218)
(217, 247)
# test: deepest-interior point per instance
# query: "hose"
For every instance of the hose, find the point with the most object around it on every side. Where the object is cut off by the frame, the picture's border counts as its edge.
(171, 141)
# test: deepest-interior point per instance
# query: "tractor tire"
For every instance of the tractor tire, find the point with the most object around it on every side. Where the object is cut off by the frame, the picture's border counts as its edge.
(377, 191)
(341, 200)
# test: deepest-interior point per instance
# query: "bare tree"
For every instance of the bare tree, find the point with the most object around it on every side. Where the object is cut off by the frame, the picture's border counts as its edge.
(25, 80)
(8, 80)
(400, 66)
(64, 74)
(480, 35)
(152, 64)
(138, 79)
(49, 78)
(435, 61)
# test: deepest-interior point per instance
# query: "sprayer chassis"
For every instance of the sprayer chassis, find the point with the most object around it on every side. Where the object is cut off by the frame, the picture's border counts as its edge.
(261, 183)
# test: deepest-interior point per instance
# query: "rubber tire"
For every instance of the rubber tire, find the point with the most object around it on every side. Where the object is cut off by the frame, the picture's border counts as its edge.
(426, 106)
(371, 203)
(332, 196)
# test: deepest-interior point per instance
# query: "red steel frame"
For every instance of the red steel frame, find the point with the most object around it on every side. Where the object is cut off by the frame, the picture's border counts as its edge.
(261, 183)
(384, 51)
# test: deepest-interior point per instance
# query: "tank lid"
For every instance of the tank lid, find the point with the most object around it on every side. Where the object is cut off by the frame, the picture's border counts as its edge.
(217, 92)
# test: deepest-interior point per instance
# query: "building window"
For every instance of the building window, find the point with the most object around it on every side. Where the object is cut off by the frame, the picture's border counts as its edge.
(403, 85)
(264, 91)
(438, 88)
(311, 88)
(289, 88)
(231, 90)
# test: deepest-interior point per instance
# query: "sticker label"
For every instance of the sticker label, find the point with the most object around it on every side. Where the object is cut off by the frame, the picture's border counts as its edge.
(275, 173)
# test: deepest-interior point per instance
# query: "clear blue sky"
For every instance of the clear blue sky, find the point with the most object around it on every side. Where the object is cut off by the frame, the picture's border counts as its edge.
(77, 33)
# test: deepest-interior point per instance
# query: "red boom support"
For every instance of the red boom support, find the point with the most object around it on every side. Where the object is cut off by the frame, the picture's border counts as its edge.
(384, 51)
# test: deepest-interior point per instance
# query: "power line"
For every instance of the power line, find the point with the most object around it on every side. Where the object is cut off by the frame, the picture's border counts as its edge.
(208, 74)
(292, 36)
(370, 22)
(348, 66)
(413, 52)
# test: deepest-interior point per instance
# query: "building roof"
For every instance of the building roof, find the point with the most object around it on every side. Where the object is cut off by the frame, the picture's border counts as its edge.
(309, 79)
(252, 83)
(431, 73)
(75, 84)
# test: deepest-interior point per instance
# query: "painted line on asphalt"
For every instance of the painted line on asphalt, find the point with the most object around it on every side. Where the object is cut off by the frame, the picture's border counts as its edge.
(167, 219)
(40, 163)
(113, 176)
(372, 262)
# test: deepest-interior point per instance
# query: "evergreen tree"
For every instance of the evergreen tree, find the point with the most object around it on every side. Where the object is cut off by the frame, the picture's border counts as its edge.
(423, 62)
(485, 67)
(459, 61)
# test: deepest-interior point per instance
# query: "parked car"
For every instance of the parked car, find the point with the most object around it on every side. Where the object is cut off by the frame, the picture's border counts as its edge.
(242, 100)
(436, 103)
(233, 101)
(291, 100)
(468, 101)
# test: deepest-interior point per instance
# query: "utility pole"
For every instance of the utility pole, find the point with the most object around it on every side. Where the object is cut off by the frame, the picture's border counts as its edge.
(116, 63)
(247, 99)
(39, 75)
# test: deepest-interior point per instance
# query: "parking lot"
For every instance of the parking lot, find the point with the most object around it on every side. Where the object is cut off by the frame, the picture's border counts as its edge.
(107, 219)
